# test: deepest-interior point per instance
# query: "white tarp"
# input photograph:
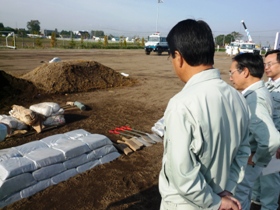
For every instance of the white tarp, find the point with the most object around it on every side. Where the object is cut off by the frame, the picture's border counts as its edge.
(34, 166)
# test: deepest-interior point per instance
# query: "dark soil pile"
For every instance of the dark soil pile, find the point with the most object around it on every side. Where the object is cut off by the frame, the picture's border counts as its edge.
(14, 90)
(75, 76)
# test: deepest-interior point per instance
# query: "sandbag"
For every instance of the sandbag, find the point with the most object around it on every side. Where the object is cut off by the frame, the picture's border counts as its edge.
(54, 120)
(27, 116)
(47, 109)
(13, 122)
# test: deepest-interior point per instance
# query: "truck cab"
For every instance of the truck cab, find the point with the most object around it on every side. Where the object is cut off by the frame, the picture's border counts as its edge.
(156, 43)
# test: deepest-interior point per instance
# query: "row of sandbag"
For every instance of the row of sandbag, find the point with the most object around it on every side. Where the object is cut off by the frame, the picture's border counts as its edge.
(34, 166)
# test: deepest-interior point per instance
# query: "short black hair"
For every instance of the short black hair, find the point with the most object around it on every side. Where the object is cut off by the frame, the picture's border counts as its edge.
(253, 62)
(193, 40)
(272, 52)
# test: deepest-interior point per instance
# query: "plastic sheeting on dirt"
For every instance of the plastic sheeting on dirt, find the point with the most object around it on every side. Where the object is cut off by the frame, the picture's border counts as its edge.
(34, 166)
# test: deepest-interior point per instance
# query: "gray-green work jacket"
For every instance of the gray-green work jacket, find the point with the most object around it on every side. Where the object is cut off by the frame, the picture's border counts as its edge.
(206, 145)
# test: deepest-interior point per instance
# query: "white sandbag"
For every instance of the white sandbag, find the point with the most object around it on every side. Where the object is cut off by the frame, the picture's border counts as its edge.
(15, 184)
(45, 156)
(48, 171)
(30, 146)
(15, 166)
(54, 120)
(72, 148)
(35, 188)
(5, 154)
(54, 139)
(87, 166)
(95, 141)
(56, 159)
(64, 176)
(47, 108)
(77, 133)
(13, 122)
(76, 161)
(110, 157)
(9, 200)
(101, 152)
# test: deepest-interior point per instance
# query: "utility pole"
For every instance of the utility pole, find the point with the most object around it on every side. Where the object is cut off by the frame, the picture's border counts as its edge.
(159, 1)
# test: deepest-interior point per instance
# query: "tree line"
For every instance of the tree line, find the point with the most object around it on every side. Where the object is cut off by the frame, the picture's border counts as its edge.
(33, 27)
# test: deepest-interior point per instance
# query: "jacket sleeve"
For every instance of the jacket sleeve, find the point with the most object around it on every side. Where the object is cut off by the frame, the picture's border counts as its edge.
(265, 133)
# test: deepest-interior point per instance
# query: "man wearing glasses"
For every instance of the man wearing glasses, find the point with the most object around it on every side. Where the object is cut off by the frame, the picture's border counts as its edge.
(266, 188)
(246, 72)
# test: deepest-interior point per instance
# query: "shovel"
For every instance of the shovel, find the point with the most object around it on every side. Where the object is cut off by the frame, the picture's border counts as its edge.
(152, 136)
(145, 138)
(133, 138)
(123, 148)
(129, 142)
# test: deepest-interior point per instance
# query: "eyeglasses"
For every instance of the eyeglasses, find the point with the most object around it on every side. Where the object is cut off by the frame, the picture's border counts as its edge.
(269, 64)
(232, 72)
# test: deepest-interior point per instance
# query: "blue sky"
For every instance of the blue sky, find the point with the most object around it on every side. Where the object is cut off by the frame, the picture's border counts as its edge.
(143, 17)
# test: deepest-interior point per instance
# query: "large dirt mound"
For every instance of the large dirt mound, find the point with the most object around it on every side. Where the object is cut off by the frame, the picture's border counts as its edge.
(14, 89)
(76, 76)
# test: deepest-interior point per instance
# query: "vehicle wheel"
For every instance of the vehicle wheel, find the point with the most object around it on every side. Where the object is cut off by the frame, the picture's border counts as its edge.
(148, 52)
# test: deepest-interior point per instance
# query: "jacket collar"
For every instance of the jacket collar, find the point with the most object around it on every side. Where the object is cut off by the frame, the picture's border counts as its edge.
(252, 88)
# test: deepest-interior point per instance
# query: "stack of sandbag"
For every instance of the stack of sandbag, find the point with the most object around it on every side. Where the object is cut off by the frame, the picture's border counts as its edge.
(53, 113)
(27, 116)
(34, 166)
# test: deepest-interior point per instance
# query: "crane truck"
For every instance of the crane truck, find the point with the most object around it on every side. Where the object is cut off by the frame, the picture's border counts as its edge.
(156, 43)
(239, 46)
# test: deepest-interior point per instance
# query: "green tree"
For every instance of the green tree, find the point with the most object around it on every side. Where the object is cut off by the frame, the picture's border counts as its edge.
(124, 43)
(53, 39)
(82, 42)
(34, 26)
(65, 33)
(98, 33)
(143, 42)
(226, 39)
(220, 40)
(105, 41)
(38, 42)
(72, 43)
(1, 26)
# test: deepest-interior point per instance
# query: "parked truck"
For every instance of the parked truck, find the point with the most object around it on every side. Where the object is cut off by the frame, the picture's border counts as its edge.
(240, 46)
(156, 43)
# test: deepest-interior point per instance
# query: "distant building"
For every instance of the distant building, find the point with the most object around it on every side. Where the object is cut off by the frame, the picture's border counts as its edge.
(79, 34)
(49, 32)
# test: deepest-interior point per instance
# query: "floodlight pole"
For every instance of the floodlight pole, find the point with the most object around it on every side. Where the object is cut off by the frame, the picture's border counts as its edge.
(157, 16)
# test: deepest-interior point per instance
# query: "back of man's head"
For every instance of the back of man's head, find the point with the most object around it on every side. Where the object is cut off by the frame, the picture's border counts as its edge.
(254, 63)
(194, 41)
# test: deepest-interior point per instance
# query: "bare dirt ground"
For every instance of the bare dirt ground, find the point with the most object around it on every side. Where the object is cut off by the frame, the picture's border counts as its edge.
(129, 182)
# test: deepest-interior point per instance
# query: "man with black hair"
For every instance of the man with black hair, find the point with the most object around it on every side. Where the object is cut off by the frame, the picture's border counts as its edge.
(246, 72)
(206, 134)
(266, 188)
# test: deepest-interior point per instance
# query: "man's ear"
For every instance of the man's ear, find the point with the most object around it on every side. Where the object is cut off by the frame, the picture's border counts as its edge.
(179, 59)
(246, 72)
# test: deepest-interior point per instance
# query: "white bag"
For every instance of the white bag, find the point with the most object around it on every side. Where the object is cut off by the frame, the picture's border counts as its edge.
(47, 108)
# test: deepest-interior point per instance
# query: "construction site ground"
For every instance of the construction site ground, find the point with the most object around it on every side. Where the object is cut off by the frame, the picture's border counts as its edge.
(112, 100)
